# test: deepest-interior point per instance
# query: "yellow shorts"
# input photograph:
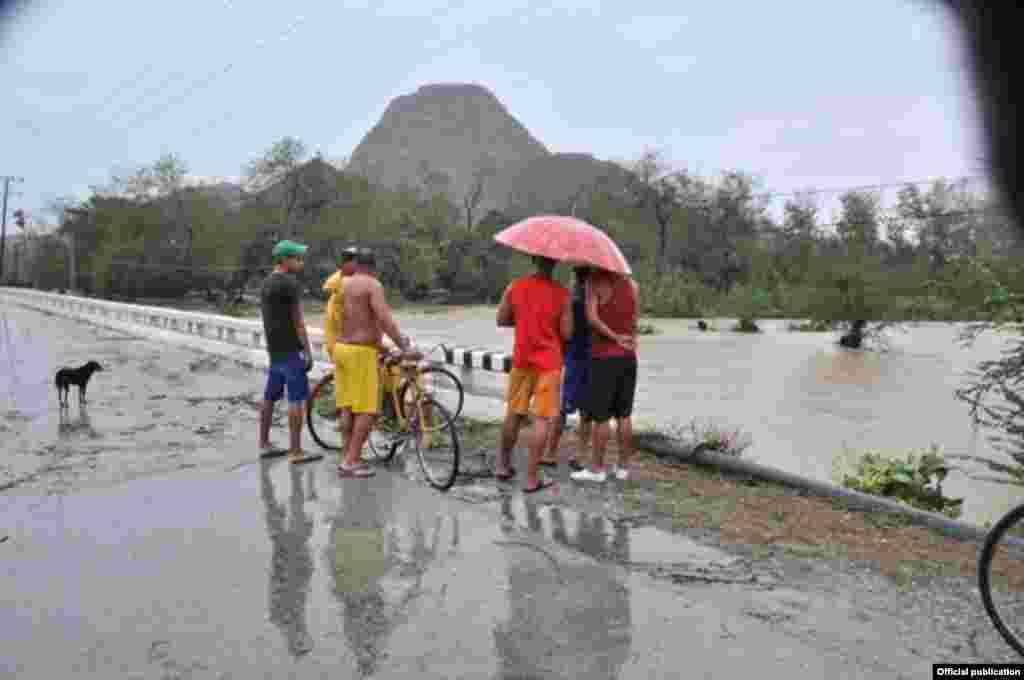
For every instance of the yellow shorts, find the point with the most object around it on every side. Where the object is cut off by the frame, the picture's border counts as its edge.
(535, 391)
(356, 381)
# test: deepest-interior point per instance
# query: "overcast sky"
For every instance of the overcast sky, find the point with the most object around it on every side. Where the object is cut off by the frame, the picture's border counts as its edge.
(802, 93)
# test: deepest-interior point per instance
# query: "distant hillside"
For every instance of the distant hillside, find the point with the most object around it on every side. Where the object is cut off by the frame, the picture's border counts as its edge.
(558, 182)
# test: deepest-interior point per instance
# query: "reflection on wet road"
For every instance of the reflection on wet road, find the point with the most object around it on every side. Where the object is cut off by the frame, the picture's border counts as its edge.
(276, 571)
(550, 630)
(291, 562)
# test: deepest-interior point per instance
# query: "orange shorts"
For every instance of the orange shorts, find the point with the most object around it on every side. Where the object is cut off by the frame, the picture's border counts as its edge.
(535, 391)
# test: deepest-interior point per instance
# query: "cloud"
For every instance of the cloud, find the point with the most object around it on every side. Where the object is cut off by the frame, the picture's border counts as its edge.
(651, 31)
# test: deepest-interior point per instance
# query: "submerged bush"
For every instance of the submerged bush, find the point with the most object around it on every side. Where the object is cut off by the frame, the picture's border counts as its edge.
(813, 326)
(915, 479)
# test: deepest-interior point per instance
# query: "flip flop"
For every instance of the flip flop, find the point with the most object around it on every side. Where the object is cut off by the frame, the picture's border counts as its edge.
(273, 452)
(544, 484)
(507, 477)
(305, 458)
(575, 465)
(358, 472)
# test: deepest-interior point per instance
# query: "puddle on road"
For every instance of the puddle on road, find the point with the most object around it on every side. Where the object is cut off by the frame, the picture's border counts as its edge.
(649, 545)
(297, 564)
(604, 539)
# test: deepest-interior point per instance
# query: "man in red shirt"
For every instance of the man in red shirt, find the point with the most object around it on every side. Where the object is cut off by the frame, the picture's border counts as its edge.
(539, 308)
(612, 306)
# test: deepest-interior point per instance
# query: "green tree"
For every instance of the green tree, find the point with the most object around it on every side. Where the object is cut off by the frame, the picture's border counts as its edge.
(858, 225)
(280, 165)
(655, 190)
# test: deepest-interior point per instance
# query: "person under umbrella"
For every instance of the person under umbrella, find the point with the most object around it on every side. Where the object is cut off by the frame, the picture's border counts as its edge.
(612, 306)
(539, 309)
(576, 378)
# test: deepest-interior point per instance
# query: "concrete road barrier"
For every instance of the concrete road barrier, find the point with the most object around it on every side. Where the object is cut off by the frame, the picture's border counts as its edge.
(239, 339)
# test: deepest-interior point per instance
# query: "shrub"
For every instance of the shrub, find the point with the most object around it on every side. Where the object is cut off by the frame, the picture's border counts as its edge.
(915, 480)
(646, 328)
(675, 293)
(814, 326)
(711, 437)
(749, 304)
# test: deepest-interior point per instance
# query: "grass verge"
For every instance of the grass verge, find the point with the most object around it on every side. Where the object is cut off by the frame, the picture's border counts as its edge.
(771, 519)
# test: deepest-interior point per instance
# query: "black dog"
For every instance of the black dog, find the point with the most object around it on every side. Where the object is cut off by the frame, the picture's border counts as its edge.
(66, 377)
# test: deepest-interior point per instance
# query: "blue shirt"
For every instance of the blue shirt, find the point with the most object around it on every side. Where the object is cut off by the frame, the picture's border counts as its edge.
(578, 347)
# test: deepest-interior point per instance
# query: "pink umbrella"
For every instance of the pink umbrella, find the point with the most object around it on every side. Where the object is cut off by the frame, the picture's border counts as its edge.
(566, 239)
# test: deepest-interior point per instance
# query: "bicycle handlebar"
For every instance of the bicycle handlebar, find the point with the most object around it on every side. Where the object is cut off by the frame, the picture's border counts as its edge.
(392, 358)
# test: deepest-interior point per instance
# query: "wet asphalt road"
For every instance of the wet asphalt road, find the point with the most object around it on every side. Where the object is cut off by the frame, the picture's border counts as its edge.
(144, 540)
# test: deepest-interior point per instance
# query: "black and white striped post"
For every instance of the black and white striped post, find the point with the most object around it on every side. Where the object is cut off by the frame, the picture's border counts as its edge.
(479, 358)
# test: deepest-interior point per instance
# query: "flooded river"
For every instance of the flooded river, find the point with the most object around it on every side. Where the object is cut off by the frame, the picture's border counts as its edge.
(800, 396)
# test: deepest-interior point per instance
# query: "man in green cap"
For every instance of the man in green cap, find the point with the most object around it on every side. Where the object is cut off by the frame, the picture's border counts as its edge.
(291, 357)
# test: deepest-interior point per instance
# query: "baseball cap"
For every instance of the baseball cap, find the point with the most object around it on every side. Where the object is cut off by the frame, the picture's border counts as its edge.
(288, 249)
(366, 256)
(348, 254)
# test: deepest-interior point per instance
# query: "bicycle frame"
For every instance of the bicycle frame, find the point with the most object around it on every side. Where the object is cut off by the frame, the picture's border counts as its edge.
(392, 387)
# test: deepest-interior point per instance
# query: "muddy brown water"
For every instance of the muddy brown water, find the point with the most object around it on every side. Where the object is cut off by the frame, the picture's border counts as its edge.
(801, 398)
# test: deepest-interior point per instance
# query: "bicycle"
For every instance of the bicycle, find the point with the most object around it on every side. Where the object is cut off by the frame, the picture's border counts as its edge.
(410, 414)
(999, 567)
(441, 384)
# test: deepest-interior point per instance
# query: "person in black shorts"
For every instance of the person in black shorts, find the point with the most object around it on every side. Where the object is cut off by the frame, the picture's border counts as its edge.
(288, 345)
(612, 306)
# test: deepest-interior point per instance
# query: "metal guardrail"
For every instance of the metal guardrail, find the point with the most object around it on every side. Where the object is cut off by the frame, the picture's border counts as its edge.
(481, 371)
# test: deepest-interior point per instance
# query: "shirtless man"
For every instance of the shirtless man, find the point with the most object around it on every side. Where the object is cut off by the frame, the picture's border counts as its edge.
(365, 317)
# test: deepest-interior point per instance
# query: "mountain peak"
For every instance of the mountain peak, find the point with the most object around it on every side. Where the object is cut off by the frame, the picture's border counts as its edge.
(452, 129)
(454, 90)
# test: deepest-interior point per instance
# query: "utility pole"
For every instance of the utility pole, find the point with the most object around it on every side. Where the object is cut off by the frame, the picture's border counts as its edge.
(3, 219)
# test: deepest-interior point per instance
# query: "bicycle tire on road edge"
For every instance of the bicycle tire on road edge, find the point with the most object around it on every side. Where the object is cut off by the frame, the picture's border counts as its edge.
(992, 541)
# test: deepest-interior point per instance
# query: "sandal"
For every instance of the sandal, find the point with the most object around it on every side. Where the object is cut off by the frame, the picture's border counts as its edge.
(304, 457)
(272, 451)
(506, 477)
(358, 471)
(541, 485)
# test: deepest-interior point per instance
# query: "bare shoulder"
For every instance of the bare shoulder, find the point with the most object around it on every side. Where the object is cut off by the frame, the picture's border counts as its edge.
(358, 283)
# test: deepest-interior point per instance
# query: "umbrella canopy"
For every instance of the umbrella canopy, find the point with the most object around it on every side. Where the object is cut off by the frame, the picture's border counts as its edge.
(566, 239)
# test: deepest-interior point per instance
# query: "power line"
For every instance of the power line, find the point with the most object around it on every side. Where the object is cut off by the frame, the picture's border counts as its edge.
(451, 8)
(134, 80)
(203, 82)
(866, 187)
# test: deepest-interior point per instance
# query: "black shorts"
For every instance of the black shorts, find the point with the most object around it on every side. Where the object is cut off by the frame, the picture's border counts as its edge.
(612, 388)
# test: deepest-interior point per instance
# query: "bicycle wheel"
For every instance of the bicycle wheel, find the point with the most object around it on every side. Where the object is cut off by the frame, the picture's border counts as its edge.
(1001, 577)
(322, 414)
(438, 384)
(436, 443)
(385, 435)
